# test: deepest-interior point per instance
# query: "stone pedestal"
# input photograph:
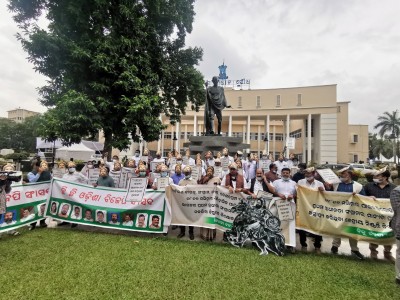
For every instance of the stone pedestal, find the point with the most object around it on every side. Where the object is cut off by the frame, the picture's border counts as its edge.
(215, 144)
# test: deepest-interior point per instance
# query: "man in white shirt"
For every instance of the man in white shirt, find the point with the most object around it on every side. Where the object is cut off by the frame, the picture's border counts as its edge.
(310, 182)
(190, 161)
(285, 188)
(281, 163)
(164, 174)
(136, 156)
(158, 158)
(127, 220)
(73, 175)
(209, 160)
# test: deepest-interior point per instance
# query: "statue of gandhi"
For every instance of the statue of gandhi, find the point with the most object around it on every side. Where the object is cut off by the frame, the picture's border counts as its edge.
(215, 103)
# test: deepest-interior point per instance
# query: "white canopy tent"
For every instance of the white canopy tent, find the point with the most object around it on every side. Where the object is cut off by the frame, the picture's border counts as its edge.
(75, 151)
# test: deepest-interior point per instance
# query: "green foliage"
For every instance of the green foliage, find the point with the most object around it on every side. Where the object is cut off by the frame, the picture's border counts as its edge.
(379, 146)
(389, 123)
(20, 136)
(112, 65)
(92, 265)
(17, 156)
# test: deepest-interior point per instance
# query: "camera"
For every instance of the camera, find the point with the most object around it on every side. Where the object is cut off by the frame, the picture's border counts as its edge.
(11, 176)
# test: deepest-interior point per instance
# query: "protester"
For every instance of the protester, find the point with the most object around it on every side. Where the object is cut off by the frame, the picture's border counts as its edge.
(190, 161)
(300, 173)
(241, 170)
(233, 181)
(39, 173)
(347, 185)
(187, 171)
(395, 225)
(164, 174)
(104, 179)
(380, 188)
(136, 156)
(209, 159)
(178, 176)
(310, 182)
(259, 183)
(73, 175)
(158, 158)
(251, 167)
(280, 164)
(225, 154)
(272, 175)
(5, 188)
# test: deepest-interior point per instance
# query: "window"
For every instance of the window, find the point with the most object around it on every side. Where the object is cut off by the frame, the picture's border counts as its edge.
(338, 109)
(355, 138)
(167, 135)
(239, 102)
(355, 158)
(295, 134)
(278, 100)
(298, 99)
(254, 136)
(237, 134)
(258, 102)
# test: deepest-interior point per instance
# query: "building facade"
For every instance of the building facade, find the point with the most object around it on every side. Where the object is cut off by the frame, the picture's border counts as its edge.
(19, 115)
(306, 121)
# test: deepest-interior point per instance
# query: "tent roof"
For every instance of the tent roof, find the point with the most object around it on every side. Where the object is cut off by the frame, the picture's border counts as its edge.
(41, 143)
(76, 147)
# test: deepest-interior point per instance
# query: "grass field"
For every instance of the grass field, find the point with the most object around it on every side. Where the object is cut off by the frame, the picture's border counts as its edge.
(68, 264)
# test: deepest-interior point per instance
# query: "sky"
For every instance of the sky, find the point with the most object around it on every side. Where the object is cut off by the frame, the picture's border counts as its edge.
(352, 43)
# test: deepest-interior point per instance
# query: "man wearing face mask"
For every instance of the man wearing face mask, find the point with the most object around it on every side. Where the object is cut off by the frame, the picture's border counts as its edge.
(233, 181)
(380, 188)
(163, 174)
(272, 175)
(136, 156)
(178, 176)
(285, 188)
(187, 171)
(259, 183)
(144, 174)
(73, 175)
(347, 185)
(310, 182)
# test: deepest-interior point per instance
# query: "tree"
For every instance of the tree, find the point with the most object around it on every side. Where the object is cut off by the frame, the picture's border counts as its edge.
(113, 65)
(19, 136)
(378, 146)
(389, 123)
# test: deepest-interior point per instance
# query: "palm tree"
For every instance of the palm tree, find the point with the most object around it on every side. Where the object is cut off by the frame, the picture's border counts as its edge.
(389, 123)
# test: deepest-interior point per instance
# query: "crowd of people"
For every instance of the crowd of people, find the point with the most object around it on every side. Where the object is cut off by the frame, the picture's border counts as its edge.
(239, 174)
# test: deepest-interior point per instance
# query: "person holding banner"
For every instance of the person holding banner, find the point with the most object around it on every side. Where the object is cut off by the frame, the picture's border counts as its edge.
(73, 175)
(39, 173)
(259, 183)
(164, 177)
(233, 181)
(143, 172)
(225, 155)
(5, 188)
(104, 178)
(395, 225)
(158, 158)
(187, 171)
(380, 188)
(310, 182)
(347, 185)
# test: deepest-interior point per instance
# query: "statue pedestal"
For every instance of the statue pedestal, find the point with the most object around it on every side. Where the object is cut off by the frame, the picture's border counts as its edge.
(215, 144)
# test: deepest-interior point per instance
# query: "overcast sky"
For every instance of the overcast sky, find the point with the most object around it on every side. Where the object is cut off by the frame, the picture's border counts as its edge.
(354, 44)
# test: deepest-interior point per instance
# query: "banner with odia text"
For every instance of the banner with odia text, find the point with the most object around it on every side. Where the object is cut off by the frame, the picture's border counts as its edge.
(211, 207)
(25, 204)
(344, 215)
(108, 207)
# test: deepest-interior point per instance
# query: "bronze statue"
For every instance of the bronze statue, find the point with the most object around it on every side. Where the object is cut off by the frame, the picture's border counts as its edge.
(215, 103)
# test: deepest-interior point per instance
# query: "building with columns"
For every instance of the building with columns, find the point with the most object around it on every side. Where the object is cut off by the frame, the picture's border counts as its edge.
(308, 119)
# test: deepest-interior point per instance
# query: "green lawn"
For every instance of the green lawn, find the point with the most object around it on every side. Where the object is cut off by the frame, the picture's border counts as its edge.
(73, 264)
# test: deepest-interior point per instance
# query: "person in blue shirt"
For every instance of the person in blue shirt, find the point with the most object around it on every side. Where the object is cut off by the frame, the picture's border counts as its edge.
(178, 176)
(347, 185)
